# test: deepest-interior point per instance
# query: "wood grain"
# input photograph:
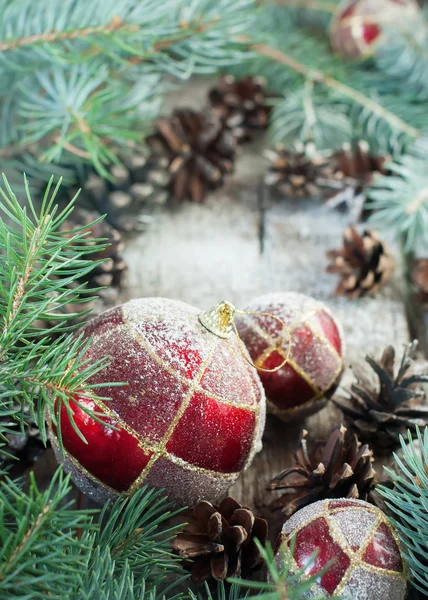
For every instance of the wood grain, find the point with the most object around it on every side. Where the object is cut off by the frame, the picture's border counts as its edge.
(241, 244)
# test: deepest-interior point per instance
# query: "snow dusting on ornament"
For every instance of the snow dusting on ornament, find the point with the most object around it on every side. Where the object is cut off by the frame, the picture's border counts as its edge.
(189, 420)
(315, 362)
(368, 564)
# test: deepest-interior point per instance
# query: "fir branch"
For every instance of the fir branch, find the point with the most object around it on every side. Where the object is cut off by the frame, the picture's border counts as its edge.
(40, 262)
(284, 581)
(37, 533)
(409, 502)
(80, 82)
(120, 554)
(371, 104)
(342, 89)
(400, 200)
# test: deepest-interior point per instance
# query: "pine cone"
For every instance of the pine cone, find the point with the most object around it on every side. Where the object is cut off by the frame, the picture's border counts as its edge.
(337, 468)
(382, 411)
(135, 189)
(200, 152)
(354, 169)
(108, 275)
(420, 279)
(296, 174)
(220, 540)
(365, 264)
(241, 105)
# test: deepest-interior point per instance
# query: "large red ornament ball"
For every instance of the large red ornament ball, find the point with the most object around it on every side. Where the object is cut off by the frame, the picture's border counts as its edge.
(315, 362)
(357, 24)
(359, 538)
(189, 421)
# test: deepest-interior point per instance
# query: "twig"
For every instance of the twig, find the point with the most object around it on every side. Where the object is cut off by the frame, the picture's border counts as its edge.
(54, 36)
(25, 539)
(418, 201)
(342, 88)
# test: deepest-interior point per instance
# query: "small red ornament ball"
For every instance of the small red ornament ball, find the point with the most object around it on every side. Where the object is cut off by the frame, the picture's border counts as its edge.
(315, 362)
(357, 24)
(359, 538)
(189, 420)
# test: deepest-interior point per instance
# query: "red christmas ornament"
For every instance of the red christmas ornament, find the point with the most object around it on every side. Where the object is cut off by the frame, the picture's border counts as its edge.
(357, 24)
(315, 359)
(362, 542)
(189, 421)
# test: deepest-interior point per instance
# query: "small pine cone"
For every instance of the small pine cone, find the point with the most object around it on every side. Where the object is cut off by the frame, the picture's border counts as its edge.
(365, 264)
(199, 150)
(381, 410)
(220, 540)
(135, 189)
(420, 279)
(353, 171)
(241, 105)
(296, 174)
(108, 275)
(340, 467)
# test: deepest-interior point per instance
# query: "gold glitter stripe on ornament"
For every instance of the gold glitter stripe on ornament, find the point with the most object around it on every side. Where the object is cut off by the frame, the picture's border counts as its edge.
(188, 382)
(252, 323)
(143, 443)
(333, 511)
(355, 557)
(275, 347)
(323, 338)
(85, 471)
(257, 411)
(180, 412)
(265, 355)
(190, 467)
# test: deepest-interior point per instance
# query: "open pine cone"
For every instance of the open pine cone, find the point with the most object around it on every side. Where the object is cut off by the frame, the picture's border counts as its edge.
(420, 279)
(199, 149)
(382, 411)
(296, 174)
(365, 264)
(108, 275)
(241, 105)
(220, 540)
(354, 169)
(136, 189)
(132, 192)
(340, 467)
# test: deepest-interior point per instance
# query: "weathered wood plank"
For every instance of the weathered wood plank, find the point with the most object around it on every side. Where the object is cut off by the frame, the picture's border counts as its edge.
(205, 253)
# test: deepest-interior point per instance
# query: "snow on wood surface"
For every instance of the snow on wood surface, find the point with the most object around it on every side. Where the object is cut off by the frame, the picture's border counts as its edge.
(231, 249)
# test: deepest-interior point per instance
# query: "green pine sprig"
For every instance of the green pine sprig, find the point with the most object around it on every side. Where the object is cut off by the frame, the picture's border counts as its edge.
(285, 582)
(409, 502)
(79, 80)
(50, 549)
(39, 262)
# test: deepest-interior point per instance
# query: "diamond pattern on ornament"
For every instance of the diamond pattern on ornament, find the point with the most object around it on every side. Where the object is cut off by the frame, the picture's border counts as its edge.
(136, 404)
(221, 375)
(359, 538)
(223, 448)
(316, 360)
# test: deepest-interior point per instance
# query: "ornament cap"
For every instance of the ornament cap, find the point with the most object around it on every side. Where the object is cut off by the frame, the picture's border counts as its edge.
(219, 319)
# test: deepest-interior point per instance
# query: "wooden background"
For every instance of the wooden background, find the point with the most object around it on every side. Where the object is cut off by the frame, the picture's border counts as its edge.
(238, 245)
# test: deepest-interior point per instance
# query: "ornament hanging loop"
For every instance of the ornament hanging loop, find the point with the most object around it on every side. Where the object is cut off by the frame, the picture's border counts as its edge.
(220, 321)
